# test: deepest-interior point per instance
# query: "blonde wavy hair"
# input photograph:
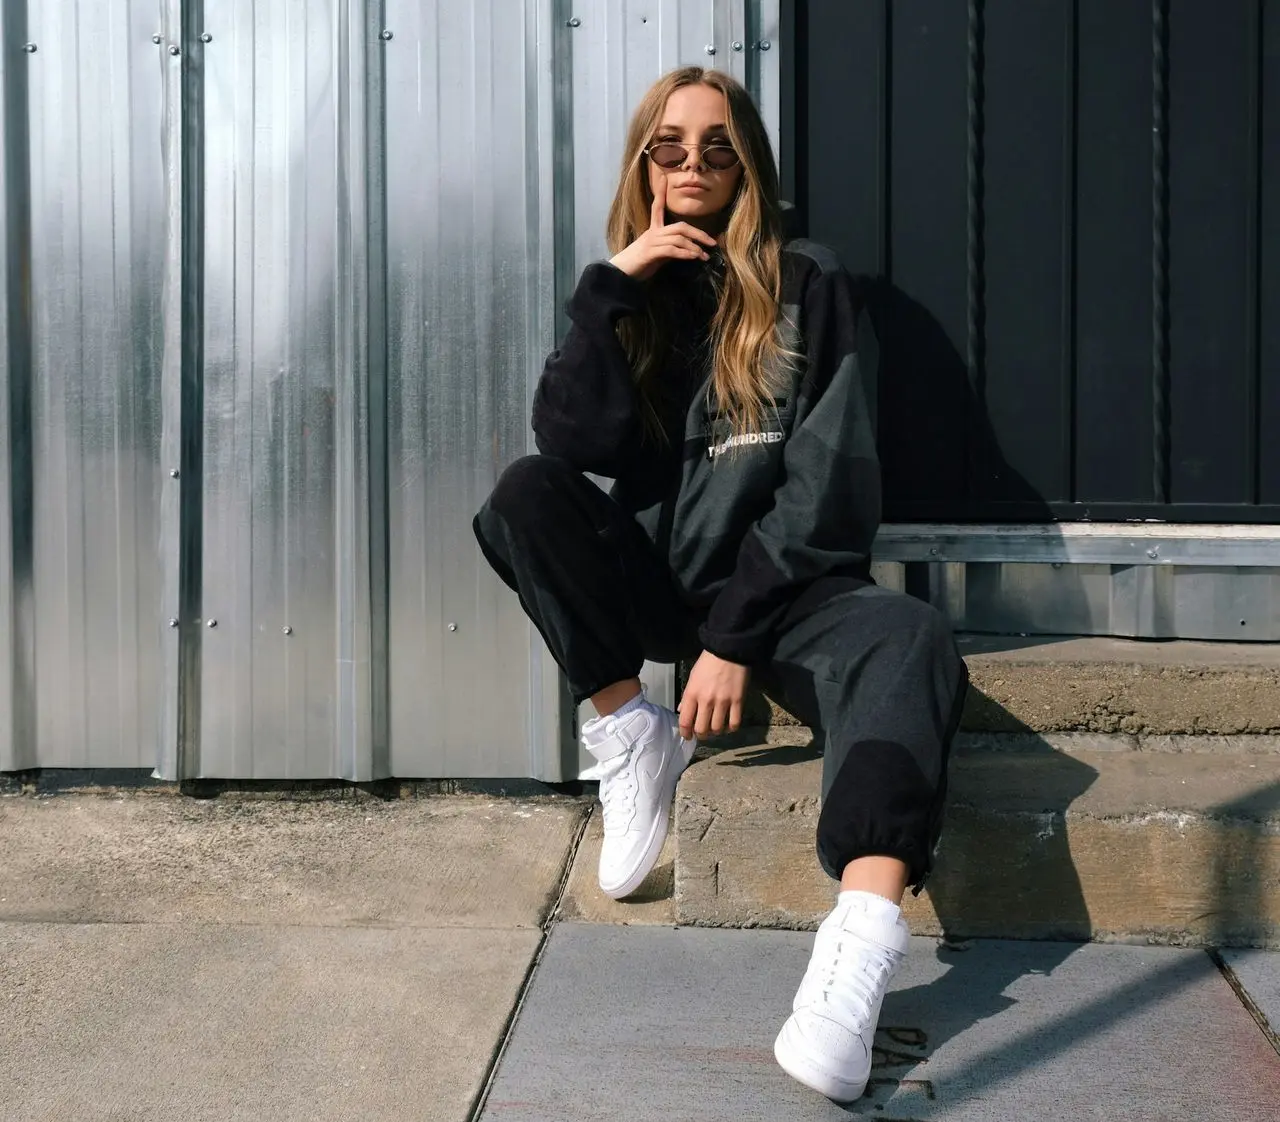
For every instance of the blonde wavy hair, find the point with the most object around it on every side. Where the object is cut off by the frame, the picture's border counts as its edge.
(748, 357)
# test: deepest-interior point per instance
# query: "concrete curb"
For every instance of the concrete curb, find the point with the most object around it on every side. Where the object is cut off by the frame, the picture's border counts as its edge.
(1063, 837)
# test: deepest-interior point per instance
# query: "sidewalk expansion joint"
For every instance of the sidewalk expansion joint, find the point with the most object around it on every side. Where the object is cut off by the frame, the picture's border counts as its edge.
(1272, 1033)
(548, 923)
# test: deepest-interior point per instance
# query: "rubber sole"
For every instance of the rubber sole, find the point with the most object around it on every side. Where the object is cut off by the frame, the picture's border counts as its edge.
(802, 1070)
(657, 835)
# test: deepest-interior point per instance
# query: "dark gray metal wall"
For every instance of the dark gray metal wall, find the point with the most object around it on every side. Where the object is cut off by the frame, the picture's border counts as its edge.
(1074, 210)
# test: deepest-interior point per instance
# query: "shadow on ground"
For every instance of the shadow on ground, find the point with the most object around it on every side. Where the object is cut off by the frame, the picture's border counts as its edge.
(952, 459)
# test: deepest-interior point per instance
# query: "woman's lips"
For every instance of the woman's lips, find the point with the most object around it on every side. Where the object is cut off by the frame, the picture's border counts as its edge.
(692, 188)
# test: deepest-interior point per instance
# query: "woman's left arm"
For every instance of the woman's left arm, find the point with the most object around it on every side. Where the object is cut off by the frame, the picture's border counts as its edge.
(827, 508)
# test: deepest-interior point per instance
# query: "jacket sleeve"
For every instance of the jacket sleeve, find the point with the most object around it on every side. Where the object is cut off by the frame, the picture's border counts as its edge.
(826, 508)
(586, 409)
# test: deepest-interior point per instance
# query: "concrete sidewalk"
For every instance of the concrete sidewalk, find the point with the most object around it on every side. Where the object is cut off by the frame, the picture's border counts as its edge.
(214, 961)
(658, 1023)
(446, 958)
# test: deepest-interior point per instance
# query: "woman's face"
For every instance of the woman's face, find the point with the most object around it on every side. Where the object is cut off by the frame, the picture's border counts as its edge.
(695, 115)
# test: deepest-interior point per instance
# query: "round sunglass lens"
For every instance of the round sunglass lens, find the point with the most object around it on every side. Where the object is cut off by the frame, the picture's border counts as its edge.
(720, 158)
(667, 155)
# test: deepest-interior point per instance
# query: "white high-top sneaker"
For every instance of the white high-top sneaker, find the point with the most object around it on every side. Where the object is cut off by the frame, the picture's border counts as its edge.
(641, 755)
(826, 1042)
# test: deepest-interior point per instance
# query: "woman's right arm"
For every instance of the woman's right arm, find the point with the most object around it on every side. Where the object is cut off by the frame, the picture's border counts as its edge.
(586, 409)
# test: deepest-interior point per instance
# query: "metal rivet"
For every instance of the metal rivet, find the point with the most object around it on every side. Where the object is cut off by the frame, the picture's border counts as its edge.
(1153, 553)
(173, 622)
(175, 50)
(157, 39)
(453, 627)
(765, 44)
(575, 22)
(212, 623)
(933, 551)
(287, 629)
(710, 48)
(30, 48)
(206, 38)
(737, 46)
(173, 473)
(388, 34)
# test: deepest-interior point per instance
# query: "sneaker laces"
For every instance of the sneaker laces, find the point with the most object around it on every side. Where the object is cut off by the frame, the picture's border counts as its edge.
(617, 788)
(845, 981)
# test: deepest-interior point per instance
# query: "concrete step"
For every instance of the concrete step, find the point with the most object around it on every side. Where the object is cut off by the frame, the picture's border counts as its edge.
(1171, 840)
(1112, 685)
(1102, 789)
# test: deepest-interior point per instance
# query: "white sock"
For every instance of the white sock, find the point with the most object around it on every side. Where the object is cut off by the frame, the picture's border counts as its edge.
(630, 706)
(593, 730)
(871, 905)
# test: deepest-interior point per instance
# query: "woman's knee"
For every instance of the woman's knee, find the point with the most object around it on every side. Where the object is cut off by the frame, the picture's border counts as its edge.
(916, 617)
(932, 646)
(892, 627)
(528, 484)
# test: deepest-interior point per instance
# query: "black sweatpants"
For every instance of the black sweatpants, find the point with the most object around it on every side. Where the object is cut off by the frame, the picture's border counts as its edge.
(874, 672)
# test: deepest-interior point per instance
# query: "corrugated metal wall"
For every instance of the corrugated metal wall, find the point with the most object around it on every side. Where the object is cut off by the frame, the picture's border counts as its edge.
(80, 481)
(470, 144)
(280, 278)
(1078, 205)
(286, 329)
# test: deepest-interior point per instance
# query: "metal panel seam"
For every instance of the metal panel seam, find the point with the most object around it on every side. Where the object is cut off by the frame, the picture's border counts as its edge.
(17, 638)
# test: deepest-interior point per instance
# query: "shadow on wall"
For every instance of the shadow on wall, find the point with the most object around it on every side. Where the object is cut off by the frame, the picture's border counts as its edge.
(936, 443)
(941, 462)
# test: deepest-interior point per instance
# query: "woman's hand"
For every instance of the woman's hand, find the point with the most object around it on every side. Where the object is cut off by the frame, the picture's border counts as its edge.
(660, 242)
(713, 696)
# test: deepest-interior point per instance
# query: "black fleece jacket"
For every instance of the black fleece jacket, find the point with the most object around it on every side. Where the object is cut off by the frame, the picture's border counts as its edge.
(746, 523)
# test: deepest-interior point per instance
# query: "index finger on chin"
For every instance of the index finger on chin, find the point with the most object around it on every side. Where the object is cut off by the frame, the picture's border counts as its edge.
(658, 211)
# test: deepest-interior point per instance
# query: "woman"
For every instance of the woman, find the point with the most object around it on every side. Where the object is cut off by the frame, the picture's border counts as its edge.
(719, 377)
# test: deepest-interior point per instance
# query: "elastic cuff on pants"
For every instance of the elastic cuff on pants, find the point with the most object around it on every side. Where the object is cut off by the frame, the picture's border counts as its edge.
(880, 803)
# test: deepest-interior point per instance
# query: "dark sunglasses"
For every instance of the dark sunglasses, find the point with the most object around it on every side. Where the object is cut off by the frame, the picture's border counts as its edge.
(669, 156)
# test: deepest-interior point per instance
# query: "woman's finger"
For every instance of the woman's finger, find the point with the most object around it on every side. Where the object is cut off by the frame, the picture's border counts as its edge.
(670, 237)
(702, 720)
(658, 212)
(735, 716)
(688, 710)
(686, 251)
(690, 231)
(719, 717)
(675, 253)
(677, 242)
